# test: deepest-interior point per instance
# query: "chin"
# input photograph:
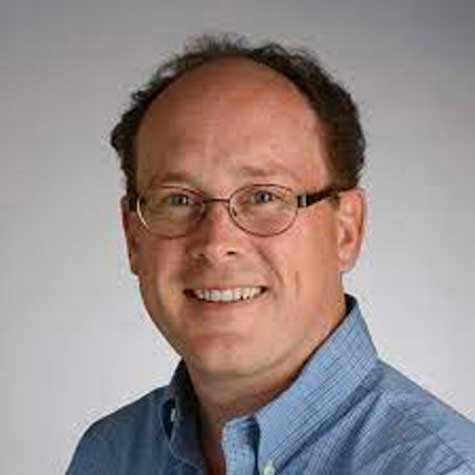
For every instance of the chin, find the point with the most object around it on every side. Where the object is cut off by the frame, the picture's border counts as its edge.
(221, 358)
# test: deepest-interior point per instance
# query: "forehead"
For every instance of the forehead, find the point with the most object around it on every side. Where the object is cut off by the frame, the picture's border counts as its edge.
(227, 115)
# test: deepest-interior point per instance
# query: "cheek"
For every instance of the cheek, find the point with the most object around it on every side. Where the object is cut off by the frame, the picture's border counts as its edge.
(158, 265)
(158, 278)
(154, 254)
(147, 253)
(291, 263)
(313, 259)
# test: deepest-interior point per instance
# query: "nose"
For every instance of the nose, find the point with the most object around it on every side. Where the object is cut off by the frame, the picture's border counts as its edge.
(217, 237)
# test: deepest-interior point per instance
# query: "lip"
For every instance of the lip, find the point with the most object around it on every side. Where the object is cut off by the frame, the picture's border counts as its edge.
(223, 287)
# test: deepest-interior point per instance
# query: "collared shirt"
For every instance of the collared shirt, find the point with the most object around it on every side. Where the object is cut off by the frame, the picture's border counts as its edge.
(347, 412)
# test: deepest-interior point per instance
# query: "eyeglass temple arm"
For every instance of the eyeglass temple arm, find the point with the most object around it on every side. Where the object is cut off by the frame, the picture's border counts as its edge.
(307, 199)
(132, 202)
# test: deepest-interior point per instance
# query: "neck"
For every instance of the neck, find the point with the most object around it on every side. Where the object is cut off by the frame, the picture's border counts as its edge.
(219, 403)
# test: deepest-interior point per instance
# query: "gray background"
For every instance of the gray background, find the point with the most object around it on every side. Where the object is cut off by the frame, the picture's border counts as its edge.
(75, 340)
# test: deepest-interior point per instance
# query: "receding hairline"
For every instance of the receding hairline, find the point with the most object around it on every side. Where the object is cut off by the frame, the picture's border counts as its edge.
(211, 75)
(227, 65)
(270, 83)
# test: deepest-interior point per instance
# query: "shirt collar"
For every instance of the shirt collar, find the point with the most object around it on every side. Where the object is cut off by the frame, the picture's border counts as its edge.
(329, 377)
(179, 416)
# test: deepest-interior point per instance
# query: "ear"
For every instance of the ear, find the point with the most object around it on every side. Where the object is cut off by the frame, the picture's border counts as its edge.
(351, 226)
(129, 225)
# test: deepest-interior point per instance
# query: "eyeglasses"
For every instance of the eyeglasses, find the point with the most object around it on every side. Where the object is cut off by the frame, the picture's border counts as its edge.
(259, 209)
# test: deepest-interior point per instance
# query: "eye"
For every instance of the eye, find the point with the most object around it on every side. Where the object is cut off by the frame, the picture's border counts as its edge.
(178, 199)
(170, 201)
(263, 196)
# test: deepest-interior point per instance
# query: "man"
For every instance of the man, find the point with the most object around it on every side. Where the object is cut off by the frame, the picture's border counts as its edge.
(242, 213)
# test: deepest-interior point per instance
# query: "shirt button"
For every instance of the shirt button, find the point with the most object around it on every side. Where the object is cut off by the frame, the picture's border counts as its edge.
(268, 468)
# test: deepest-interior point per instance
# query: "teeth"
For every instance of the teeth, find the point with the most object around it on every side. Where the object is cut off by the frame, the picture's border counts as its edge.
(227, 295)
(199, 293)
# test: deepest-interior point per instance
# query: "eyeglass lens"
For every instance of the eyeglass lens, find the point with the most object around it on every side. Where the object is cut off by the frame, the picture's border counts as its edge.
(259, 209)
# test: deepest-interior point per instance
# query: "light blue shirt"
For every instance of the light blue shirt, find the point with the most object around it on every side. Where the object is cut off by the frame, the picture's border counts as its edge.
(346, 413)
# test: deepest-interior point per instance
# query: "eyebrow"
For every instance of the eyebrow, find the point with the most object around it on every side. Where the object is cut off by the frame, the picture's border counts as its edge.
(272, 169)
(246, 171)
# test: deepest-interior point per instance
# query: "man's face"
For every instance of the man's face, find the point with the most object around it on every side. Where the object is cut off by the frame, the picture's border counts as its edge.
(223, 126)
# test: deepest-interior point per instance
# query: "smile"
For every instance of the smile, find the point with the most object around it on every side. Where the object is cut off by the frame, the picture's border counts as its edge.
(229, 295)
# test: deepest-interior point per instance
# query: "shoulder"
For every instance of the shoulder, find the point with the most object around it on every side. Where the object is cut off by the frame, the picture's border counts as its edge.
(122, 438)
(414, 430)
